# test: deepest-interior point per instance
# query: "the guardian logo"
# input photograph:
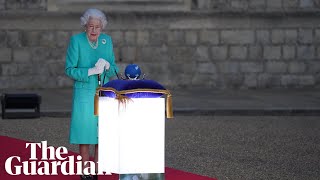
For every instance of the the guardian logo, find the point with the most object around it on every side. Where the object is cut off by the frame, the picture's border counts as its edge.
(49, 163)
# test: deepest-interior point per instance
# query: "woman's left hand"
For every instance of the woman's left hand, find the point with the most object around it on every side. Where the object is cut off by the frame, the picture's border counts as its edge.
(102, 63)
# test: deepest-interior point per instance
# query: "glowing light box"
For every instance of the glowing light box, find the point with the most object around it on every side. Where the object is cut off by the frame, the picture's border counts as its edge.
(131, 135)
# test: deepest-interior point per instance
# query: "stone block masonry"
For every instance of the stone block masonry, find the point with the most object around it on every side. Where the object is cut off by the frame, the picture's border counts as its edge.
(225, 44)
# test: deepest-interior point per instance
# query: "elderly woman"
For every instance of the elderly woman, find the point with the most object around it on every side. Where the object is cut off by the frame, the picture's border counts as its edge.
(89, 54)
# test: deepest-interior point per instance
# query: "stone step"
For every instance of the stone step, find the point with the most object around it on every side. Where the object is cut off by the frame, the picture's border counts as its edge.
(120, 5)
(261, 6)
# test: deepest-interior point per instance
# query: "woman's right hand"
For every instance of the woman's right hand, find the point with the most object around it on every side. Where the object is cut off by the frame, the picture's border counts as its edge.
(95, 70)
(102, 63)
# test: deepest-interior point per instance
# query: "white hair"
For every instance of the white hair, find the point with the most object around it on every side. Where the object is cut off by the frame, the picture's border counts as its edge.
(93, 13)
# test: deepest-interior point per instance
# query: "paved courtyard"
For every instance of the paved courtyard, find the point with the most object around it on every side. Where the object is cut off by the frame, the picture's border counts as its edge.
(225, 147)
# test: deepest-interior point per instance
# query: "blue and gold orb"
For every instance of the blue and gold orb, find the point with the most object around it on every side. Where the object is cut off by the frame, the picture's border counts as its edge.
(132, 72)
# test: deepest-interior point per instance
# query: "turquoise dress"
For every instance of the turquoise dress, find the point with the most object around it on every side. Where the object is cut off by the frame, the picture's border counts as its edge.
(80, 57)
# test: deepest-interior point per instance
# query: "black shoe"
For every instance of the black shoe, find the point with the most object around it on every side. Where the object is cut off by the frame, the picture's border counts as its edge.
(86, 177)
(95, 177)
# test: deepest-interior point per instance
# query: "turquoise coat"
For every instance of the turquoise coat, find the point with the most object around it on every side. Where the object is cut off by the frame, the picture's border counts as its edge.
(80, 57)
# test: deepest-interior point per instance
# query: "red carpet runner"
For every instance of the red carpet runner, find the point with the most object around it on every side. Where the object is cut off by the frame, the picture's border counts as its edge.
(15, 147)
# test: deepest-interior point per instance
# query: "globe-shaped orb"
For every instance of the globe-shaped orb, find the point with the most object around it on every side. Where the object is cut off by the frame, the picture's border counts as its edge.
(132, 71)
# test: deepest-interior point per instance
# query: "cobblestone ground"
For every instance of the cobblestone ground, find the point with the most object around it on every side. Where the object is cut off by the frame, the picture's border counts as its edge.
(225, 147)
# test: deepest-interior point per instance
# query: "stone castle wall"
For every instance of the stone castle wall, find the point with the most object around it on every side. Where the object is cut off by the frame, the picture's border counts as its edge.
(214, 43)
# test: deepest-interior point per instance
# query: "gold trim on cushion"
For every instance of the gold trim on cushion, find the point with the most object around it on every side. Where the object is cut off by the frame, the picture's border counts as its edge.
(120, 96)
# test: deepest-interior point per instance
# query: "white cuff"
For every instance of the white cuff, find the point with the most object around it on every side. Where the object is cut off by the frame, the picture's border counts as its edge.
(91, 72)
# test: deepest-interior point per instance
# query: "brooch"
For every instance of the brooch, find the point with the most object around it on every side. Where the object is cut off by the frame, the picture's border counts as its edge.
(104, 41)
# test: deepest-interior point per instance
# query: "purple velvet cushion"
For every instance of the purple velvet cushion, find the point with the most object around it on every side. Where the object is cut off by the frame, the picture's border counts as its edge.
(121, 85)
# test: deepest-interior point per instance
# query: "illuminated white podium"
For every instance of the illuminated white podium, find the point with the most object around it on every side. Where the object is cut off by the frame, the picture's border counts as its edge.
(131, 135)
